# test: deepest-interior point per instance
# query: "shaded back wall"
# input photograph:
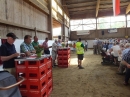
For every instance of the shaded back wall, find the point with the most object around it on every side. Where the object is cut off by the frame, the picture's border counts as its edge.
(121, 33)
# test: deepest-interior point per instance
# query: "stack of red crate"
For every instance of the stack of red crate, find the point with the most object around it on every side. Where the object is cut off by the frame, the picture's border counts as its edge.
(64, 57)
(38, 75)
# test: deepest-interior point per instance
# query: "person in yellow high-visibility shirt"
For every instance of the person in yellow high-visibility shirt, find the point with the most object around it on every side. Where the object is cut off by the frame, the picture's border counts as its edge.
(80, 53)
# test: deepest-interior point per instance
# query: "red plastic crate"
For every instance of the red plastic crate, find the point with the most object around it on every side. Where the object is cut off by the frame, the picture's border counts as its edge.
(64, 51)
(36, 63)
(33, 84)
(63, 57)
(21, 71)
(33, 63)
(24, 85)
(24, 93)
(19, 64)
(66, 61)
(37, 84)
(62, 65)
(21, 68)
(49, 75)
(59, 51)
(49, 66)
(43, 61)
(36, 72)
(42, 93)
(49, 87)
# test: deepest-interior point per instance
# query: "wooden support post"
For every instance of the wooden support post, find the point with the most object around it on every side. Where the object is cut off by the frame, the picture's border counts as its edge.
(126, 34)
(50, 26)
(128, 9)
(63, 29)
(96, 33)
(35, 31)
(97, 7)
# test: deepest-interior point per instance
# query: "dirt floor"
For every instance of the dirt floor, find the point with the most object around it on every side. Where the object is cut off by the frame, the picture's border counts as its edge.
(95, 80)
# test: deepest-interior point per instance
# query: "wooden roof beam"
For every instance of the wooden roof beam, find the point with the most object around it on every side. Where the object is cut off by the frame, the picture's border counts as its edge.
(81, 8)
(97, 7)
(77, 1)
(128, 9)
(80, 12)
(80, 4)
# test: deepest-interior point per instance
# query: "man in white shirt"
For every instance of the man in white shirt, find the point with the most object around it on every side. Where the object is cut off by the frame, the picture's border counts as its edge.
(115, 50)
(54, 52)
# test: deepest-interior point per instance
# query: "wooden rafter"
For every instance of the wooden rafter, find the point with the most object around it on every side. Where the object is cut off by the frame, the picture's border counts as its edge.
(128, 9)
(80, 4)
(77, 1)
(83, 11)
(97, 7)
(82, 8)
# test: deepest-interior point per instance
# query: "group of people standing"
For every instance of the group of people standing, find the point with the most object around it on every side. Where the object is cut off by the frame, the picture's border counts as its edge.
(8, 51)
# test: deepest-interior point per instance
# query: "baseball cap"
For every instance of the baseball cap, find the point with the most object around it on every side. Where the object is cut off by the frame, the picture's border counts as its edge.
(12, 35)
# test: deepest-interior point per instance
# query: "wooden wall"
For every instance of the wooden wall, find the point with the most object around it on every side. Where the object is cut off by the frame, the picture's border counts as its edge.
(120, 34)
(23, 13)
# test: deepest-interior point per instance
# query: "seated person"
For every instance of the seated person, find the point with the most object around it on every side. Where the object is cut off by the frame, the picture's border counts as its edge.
(104, 46)
(26, 47)
(105, 56)
(120, 52)
(115, 50)
(122, 67)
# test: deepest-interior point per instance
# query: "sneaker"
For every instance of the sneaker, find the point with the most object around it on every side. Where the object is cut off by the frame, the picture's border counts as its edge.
(80, 67)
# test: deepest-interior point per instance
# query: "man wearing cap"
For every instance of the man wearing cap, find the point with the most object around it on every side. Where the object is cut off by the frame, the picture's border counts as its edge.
(8, 53)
